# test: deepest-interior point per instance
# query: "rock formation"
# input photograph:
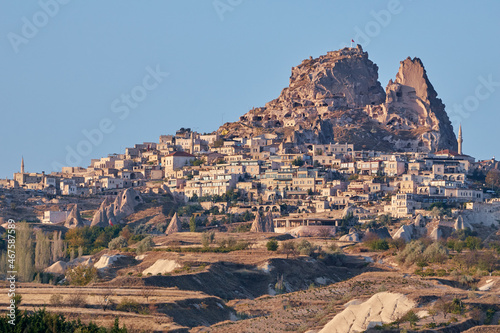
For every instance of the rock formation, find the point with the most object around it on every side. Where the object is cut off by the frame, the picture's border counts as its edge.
(269, 227)
(460, 224)
(328, 100)
(406, 232)
(352, 236)
(174, 226)
(258, 224)
(124, 205)
(379, 309)
(436, 233)
(263, 224)
(74, 220)
(419, 221)
(103, 215)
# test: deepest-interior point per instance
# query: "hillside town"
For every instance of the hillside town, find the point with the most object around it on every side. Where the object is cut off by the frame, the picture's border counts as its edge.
(301, 185)
(339, 206)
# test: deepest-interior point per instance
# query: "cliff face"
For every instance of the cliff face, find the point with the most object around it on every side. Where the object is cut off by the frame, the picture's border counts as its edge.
(338, 98)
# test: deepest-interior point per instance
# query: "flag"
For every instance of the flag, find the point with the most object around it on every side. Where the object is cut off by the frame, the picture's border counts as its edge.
(352, 40)
(110, 223)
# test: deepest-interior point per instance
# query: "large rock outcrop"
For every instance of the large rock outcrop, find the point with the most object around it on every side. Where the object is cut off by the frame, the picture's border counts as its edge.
(328, 100)
(112, 212)
(381, 308)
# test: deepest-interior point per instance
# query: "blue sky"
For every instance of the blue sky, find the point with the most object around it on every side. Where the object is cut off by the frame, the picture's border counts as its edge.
(66, 72)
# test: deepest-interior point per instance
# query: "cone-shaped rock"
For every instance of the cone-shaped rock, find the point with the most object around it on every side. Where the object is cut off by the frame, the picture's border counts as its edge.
(460, 224)
(174, 226)
(101, 216)
(419, 221)
(125, 203)
(74, 220)
(269, 223)
(258, 224)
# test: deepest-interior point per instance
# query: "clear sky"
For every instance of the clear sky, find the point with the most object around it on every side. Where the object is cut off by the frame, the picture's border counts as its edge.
(128, 71)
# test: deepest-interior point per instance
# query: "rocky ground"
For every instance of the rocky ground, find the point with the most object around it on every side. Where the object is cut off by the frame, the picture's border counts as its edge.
(239, 291)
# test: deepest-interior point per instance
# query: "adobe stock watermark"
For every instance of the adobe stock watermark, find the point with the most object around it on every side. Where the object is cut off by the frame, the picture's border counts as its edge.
(121, 107)
(32, 26)
(224, 6)
(373, 28)
(11, 271)
(484, 89)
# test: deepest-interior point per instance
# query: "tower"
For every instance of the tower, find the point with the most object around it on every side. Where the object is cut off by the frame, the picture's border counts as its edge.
(22, 164)
(460, 140)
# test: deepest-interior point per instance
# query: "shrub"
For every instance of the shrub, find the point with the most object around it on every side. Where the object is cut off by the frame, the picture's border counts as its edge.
(56, 300)
(78, 301)
(42, 321)
(436, 253)
(207, 238)
(441, 272)
(473, 243)
(128, 305)
(412, 252)
(304, 247)
(288, 248)
(378, 245)
(272, 245)
(145, 245)
(81, 275)
(117, 243)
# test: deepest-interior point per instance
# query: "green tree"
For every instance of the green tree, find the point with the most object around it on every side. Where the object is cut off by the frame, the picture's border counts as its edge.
(207, 238)
(57, 247)
(198, 162)
(42, 251)
(411, 317)
(192, 224)
(473, 243)
(117, 243)
(81, 275)
(298, 162)
(272, 245)
(288, 248)
(24, 252)
(145, 245)
(436, 253)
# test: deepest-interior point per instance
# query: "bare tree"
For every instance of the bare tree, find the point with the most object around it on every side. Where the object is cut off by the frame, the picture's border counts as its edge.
(104, 299)
(147, 292)
(288, 248)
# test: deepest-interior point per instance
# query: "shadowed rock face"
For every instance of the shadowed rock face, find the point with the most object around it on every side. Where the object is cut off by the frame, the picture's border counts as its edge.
(329, 98)
(263, 224)
(412, 103)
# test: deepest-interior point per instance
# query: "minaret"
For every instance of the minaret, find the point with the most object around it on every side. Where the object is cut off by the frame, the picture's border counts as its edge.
(460, 140)
(22, 164)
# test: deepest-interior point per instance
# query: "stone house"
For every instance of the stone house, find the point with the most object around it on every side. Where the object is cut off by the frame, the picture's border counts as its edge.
(176, 160)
